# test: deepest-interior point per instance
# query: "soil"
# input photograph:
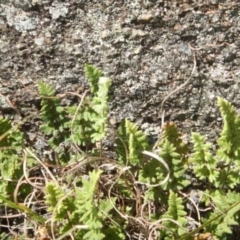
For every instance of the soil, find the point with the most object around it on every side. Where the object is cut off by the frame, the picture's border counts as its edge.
(147, 47)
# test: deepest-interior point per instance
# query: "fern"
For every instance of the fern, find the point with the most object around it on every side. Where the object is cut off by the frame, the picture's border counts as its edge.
(229, 146)
(227, 206)
(56, 197)
(82, 127)
(229, 140)
(148, 189)
(80, 206)
(131, 143)
(87, 209)
(90, 121)
(176, 218)
(11, 144)
(204, 164)
(178, 168)
(172, 134)
(53, 115)
(174, 152)
(100, 106)
(93, 75)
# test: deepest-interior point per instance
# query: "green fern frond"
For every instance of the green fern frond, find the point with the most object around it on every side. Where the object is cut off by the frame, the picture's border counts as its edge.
(11, 144)
(45, 90)
(100, 106)
(226, 213)
(132, 141)
(174, 152)
(10, 136)
(82, 126)
(229, 146)
(204, 164)
(229, 177)
(172, 134)
(54, 118)
(90, 122)
(58, 200)
(52, 113)
(52, 195)
(176, 213)
(87, 192)
(93, 74)
(88, 209)
(176, 165)
(137, 142)
(229, 140)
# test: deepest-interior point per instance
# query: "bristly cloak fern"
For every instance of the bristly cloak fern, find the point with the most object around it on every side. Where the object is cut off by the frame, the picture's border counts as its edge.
(82, 126)
(229, 146)
(172, 134)
(90, 121)
(11, 144)
(130, 143)
(99, 86)
(174, 152)
(81, 208)
(93, 75)
(100, 106)
(53, 115)
(203, 163)
(229, 140)
(174, 219)
(226, 213)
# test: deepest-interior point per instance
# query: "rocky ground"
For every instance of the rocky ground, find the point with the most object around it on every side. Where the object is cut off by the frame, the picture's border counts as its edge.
(147, 47)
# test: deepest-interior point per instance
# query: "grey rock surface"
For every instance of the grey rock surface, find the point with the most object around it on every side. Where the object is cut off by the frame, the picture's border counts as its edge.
(147, 47)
